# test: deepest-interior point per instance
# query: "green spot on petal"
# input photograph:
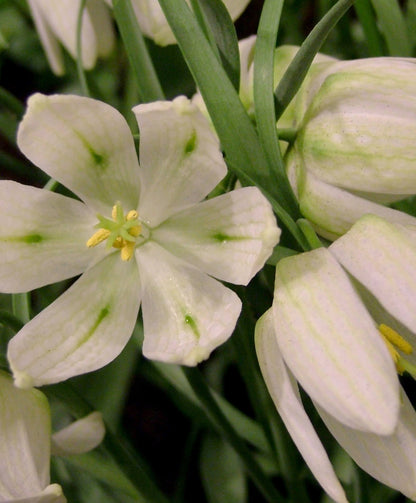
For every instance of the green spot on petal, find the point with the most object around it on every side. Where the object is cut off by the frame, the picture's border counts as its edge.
(192, 325)
(223, 238)
(29, 238)
(99, 160)
(105, 311)
(191, 143)
(32, 238)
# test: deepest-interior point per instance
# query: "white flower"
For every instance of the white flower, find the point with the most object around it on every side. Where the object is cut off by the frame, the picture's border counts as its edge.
(25, 444)
(57, 21)
(354, 150)
(341, 347)
(162, 245)
(154, 25)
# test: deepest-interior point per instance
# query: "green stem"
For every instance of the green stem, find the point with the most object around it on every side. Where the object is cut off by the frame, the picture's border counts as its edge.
(287, 134)
(21, 306)
(128, 461)
(201, 389)
(147, 81)
(9, 101)
(309, 233)
(80, 67)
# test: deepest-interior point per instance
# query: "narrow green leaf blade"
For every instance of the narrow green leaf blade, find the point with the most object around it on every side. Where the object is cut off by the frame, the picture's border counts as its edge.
(393, 26)
(298, 68)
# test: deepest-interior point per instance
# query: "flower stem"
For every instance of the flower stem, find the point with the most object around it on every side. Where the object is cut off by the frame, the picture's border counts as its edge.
(201, 389)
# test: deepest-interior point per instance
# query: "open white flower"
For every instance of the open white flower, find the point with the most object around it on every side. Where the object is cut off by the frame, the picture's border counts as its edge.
(354, 150)
(161, 247)
(56, 21)
(341, 347)
(25, 444)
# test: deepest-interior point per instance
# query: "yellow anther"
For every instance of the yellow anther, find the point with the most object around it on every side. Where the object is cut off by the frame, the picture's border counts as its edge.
(127, 250)
(98, 237)
(395, 339)
(121, 231)
(135, 231)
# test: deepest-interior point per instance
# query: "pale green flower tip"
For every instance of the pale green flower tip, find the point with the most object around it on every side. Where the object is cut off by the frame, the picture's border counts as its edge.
(195, 356)
(23, 380)
(52, 494)
(183, 106)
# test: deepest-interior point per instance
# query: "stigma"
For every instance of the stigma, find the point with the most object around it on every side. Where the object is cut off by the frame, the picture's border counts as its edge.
(121, 231)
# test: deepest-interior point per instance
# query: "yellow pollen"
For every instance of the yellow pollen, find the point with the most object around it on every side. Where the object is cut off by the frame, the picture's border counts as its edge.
(98, 237)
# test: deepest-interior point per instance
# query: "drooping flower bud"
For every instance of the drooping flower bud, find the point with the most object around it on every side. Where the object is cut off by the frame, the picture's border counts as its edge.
(355, 150)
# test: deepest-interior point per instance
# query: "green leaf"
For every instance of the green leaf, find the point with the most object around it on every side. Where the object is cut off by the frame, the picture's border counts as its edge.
(264, 97)
(221, 28)
(222, 472)
(298, 68)
(368, 21)
(393, 27)
(147, 81)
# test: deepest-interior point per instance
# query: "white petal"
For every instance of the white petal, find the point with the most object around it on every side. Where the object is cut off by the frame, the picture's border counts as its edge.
(24, 441)
(229, 237)
(333, 211)
(152, 21)
(186, 314)
(236, 7)
(62, 17)
(390, 459)
(47, 38)
(83, 330)
(51, 494)
(382, 256)
(43, 237)
(331, 344)
(180, 158)
(103, 27)
(80, 436)
(84, 144)
(285, 394)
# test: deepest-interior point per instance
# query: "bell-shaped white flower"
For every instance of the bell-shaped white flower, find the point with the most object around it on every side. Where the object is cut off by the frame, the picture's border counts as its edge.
(139, 235)
(354, 149)
(56, 21)
(25, 444)
(340, 341)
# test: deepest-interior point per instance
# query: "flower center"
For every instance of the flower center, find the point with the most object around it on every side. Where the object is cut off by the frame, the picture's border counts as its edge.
(395, 343)
(120, 232)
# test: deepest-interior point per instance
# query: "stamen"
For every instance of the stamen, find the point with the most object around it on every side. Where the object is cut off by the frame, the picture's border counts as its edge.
(120, 232)
(127, 250)
(98, 237)
(395, 338)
